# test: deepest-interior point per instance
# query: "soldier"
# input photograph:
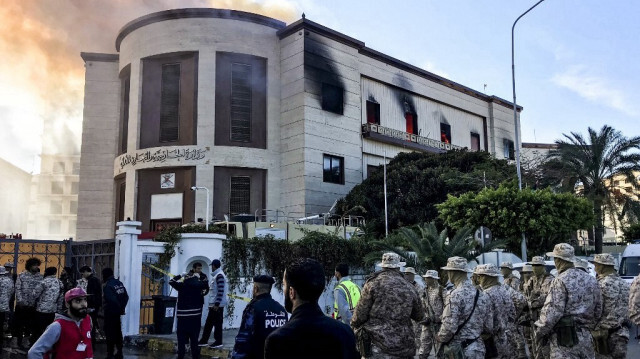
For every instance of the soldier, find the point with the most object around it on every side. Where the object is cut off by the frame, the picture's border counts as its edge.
(527, 273)
(506, 268)
(536, 290)
(516, 337)
(615, 296)
(433, 302)
(634, 301)
(572, 308)
(464, 315)
(497, 344)
(581, 264)
(524, 321)
(410, 275)
(6, 292)
(383, 312)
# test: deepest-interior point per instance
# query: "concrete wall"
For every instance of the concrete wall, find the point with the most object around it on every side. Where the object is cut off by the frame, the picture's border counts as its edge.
(15, 186)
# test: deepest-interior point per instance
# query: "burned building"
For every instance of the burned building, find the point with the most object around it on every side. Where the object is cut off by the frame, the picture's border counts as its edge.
(264, 114)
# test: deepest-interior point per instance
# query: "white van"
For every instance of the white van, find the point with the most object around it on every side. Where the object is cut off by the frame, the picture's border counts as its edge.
(630, 263)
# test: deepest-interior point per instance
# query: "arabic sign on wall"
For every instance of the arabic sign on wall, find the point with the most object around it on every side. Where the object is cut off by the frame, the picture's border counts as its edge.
(162, 157)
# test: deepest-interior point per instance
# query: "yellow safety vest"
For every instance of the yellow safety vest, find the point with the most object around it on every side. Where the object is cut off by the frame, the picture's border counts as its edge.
(352, 292)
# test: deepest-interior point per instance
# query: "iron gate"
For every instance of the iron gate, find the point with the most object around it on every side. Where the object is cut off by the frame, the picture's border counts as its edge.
(97, 254)
(51, 253)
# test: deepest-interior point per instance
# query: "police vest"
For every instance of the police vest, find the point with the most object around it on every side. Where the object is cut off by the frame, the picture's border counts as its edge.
(352, 292)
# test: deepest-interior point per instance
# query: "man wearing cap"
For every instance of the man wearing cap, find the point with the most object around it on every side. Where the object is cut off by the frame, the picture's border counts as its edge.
(69, 336)
(188, 311)
(571, 310)
(6, 292)
(465, 314)
(410, 275)
(615, 297)
(581, 264)
(261, 317)
(387, 304)
(504, 312)
(536, 290)
(527, 273)
(346, 294)
(217, 301)
(433, 302)
(506, 268)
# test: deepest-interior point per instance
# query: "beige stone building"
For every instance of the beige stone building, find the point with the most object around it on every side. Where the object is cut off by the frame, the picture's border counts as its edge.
(14, 197)
(264, 114)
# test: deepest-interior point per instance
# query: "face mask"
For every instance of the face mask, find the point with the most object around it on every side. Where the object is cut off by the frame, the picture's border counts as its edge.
(539, 270)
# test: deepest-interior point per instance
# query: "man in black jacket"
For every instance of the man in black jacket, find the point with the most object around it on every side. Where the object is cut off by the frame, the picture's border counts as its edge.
(309, 332)
(115, 302)
(189, 311)
(94, 299)
(261, 317)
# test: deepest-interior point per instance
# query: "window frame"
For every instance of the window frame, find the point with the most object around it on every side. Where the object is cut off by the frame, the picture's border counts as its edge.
(326, 92)
(445, 132)
(247, 193)
(508, 145)
(375, 107)
(473, 135)
(331, 178)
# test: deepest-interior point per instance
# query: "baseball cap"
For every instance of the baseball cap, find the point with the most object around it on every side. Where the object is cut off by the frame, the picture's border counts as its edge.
(74, 293)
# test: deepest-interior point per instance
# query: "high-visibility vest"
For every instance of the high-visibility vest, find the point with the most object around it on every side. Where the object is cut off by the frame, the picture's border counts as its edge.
(352, 292)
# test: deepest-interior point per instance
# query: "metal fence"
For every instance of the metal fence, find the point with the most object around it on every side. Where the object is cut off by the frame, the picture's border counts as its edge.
(97, 254)
(152, 283)
(51, 253)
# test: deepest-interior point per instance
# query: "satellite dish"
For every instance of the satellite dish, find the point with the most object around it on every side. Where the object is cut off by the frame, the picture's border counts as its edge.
(486, 232)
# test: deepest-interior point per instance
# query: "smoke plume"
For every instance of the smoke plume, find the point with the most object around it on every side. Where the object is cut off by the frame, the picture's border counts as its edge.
(42, 75)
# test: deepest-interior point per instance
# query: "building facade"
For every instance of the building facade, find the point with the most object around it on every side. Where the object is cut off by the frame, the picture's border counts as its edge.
(263, 114)
(14, 197)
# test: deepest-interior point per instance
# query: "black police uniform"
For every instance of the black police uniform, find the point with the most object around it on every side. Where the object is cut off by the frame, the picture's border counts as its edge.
(260, 318)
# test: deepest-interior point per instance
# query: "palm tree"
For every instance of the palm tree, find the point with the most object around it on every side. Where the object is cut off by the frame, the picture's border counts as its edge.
(429, 248)
(589, 166)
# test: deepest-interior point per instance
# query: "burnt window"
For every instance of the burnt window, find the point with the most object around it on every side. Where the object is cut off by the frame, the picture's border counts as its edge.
(125, 83)
(333, 169)
(57, 187)
(55, 207)
(240, 195)
(411, 119)
(445, 132)
(371, 169)
(475, 142)
(170, 103)
(509, 149)
(240, 102)
(332, 98)
(373, 112)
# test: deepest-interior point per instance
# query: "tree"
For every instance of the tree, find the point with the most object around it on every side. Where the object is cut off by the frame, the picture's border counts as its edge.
(591, 165)
(545, 217)
(631, 232)
(424, 247)
(417, 181)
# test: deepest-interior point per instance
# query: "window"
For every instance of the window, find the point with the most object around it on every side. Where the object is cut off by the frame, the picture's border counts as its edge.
(125, 84)
(373, 112)
(240, 102)
(73, 207)
(170, 103)
(58, 167)
(74, 187)
(333, 169)
(55, 207)
(371, 169)
(55, 226)
(240, 195)
(57, 187)
(445, 132)
(76, 168)
(509, 149)
(332, 98)
(411, 119)
(475, 142)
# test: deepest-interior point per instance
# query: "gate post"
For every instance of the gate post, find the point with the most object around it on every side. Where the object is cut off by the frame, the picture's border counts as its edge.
(128, 269)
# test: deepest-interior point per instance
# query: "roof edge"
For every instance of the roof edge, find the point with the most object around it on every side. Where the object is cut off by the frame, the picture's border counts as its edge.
(187, 13)
(321, 29)
(101, 57)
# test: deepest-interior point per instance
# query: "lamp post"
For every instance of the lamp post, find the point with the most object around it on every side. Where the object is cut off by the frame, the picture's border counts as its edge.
(515, 119)
(206, 220)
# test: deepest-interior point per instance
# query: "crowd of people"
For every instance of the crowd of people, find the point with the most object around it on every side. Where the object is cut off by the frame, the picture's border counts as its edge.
(475, 315)
(38, 309)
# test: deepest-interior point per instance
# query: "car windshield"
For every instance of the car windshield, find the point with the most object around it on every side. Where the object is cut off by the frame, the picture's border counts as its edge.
(629, 266)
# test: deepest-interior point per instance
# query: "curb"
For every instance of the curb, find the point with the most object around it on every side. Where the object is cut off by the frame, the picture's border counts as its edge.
(150, 343)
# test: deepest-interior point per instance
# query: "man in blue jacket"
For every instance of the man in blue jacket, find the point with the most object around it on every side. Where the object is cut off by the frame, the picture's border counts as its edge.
(115, 302)
(260, 318)
(189, 311)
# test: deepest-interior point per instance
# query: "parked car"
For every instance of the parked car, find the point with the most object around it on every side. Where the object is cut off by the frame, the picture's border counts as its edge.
(551, 268)
(630, 263)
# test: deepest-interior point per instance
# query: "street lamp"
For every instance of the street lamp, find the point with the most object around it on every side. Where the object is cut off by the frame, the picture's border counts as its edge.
(195, 188)
(515, 119)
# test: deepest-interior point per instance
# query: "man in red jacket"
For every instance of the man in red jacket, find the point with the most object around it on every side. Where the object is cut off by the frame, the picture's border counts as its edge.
(69, 336)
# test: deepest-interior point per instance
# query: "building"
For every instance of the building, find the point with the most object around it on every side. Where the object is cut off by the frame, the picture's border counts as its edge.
(14, 197)
(264, 114)
(54, 198)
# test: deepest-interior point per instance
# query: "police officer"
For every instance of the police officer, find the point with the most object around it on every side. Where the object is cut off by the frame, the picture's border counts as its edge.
(346, 294)
(262, 316)
(615, 296)
(571, 310)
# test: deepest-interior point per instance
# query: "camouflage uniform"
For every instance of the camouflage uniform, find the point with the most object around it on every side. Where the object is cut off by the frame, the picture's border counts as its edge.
(536, 290)
(457, 308)
(615, 297)
(634, 301)
(517, 338)
(512, 282)
(386, 305)
(6, 291)
(573, 293)
(433, 302)
(504, 314)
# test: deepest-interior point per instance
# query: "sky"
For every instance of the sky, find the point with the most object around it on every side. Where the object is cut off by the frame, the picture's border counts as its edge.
(576, 60)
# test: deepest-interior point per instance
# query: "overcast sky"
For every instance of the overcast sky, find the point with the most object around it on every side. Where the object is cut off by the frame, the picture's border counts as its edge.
(576, 60)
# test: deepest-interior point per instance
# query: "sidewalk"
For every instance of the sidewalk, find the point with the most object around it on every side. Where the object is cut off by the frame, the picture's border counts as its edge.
(169, 343)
